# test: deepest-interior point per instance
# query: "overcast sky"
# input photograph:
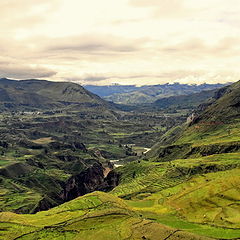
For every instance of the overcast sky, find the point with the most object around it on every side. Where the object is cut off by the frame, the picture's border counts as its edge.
(121, 41)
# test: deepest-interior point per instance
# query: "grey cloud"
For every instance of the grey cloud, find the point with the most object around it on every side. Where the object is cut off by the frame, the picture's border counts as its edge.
(94, 78)
(167, 76)
(97, 44)
(20, 71)
(94, 47)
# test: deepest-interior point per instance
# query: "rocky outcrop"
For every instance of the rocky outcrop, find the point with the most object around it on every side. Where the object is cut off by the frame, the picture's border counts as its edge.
(92, 179)
(191, 119)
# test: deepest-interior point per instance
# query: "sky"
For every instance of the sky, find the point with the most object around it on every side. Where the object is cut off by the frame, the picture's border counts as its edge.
(105, 42)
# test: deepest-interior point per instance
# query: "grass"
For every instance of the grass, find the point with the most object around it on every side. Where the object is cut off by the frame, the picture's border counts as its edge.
(57, 174)
(199, 229)
(201, 139)
(15, 196)
(199, 195)
(207, 133)
(4, 162)
(98, 216)
(210, 199)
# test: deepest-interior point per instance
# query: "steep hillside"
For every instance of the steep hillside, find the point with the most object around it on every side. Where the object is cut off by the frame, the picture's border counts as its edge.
(199, 195)
(226, 107)
(212, 129)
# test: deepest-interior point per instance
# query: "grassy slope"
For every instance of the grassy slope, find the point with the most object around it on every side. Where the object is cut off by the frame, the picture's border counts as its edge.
(219, 123)
(204, 203)
(203, 188)
(197, 195)
(94, 216)
(11, 199)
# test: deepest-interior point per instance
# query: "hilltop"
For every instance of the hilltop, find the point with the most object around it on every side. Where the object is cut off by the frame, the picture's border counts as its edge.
(41, 94)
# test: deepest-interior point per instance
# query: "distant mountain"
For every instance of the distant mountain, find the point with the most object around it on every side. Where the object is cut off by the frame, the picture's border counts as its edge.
(184, 101)
(41, 94)
(108, 90)
(131, 94)
(188, 102)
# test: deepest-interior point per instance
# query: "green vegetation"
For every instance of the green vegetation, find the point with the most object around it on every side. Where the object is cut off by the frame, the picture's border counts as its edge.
(94, 216)
(198, 195)
(16, 196)
(42, 151)
(186, 187)
(211, 133)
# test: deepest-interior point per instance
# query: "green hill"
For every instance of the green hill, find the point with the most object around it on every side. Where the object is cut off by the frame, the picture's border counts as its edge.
(226, 108)
(40, 94)
(199, 195)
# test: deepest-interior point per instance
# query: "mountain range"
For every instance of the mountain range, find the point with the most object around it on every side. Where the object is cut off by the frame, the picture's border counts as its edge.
(131, 94)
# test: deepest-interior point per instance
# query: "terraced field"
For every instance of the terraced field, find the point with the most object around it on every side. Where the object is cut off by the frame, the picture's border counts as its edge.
(159, 201)
(199, 195)
(11, 199)
(94, 216)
